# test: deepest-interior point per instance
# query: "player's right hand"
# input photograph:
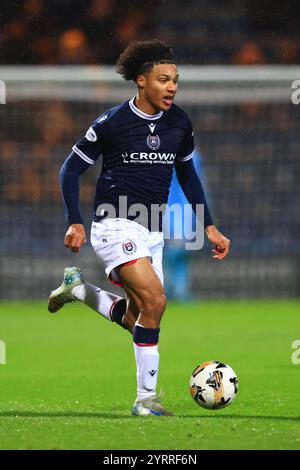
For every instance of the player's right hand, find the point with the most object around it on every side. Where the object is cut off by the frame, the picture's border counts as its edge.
(75, 237)
(220, 242)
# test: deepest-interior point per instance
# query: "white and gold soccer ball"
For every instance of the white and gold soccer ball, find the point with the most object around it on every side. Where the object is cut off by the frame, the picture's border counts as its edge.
(213, 385)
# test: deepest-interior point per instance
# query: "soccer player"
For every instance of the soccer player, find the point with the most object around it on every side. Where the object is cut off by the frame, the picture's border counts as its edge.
(141, 141)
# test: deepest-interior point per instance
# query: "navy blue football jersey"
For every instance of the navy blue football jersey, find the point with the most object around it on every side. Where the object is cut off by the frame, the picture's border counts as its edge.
(139, 152)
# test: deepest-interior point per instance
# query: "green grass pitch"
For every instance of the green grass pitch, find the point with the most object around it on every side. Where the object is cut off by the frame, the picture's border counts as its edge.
(69, 378)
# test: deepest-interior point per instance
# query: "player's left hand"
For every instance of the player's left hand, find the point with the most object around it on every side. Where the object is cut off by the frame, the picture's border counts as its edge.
(220, 242)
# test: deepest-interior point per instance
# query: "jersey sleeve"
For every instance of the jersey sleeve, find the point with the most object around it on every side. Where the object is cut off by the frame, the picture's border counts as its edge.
(90, 147)
(187, 147)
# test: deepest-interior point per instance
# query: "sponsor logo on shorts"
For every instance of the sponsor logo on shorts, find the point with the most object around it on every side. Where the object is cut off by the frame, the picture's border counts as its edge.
(129, 247)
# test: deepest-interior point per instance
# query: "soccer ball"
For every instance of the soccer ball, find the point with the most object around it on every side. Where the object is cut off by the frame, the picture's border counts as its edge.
(213, 385)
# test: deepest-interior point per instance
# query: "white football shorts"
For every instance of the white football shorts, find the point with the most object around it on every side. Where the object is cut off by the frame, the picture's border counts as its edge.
(119, 241)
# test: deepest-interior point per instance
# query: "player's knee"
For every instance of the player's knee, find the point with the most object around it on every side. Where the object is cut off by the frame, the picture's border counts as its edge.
(163, 302)
(155, 305)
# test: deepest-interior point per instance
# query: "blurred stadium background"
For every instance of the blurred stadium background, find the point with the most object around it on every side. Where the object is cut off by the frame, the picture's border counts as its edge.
(237, 64)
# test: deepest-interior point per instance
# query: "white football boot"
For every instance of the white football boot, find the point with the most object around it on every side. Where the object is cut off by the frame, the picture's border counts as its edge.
(63, 294)
(150, 407)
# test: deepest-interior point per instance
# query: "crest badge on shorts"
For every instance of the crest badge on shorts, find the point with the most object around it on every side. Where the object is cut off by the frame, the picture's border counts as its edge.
(129, 247)
(153, 142)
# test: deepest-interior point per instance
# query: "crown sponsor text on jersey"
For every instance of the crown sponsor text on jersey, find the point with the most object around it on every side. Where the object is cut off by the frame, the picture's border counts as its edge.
(143, 157)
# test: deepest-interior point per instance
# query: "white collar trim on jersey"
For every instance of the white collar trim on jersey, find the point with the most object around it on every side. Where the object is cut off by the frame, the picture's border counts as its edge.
(149, 117)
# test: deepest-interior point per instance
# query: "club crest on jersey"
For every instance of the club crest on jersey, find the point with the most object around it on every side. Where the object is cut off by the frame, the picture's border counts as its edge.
(153, 142)
(129, 247)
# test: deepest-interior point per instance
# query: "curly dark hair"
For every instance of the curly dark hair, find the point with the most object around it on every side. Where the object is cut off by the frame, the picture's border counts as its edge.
(141, 56)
